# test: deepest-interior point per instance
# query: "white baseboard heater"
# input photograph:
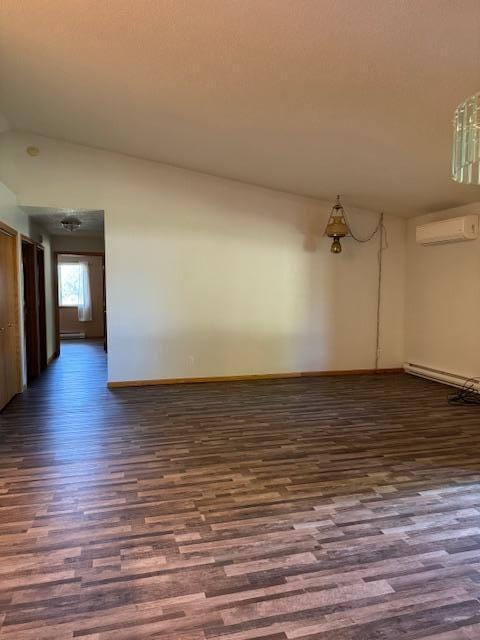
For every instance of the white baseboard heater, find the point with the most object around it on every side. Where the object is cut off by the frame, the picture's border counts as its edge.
(453, 379)
(72, 335)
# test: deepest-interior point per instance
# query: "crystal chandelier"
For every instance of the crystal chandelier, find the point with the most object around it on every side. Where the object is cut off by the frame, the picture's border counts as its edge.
(466, 142)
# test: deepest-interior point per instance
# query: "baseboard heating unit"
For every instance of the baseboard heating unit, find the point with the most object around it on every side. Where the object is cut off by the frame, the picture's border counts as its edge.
(452, 379)
(73, 335)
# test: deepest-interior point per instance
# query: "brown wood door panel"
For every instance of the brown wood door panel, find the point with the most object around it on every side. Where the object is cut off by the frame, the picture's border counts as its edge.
(12, 328)
(9, 344)
(4, 382)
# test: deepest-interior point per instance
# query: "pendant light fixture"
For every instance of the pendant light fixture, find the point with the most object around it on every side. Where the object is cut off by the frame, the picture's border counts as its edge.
(338, 227)
(71, 223)
(466, 142)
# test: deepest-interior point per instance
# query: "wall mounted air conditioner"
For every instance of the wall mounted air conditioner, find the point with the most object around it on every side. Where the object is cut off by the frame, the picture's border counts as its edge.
(453, 230)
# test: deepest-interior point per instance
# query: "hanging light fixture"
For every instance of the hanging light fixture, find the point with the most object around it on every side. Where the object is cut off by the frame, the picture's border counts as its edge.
(466, 142)
(337, 227)
(71, 223)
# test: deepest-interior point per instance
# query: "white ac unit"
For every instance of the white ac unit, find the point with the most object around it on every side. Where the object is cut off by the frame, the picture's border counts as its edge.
(453, 230)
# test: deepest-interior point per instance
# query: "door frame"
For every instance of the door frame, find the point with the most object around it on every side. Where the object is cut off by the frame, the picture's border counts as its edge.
(5, 229)
(31, 319)
(42, 306)
(55, 293)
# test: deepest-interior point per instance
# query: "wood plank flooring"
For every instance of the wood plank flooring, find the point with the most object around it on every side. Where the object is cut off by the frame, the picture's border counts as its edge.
(329, 508)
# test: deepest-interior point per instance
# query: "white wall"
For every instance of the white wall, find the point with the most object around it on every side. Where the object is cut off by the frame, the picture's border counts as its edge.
(207, 276)
(76, 242)
(443, 300)
(10, 212)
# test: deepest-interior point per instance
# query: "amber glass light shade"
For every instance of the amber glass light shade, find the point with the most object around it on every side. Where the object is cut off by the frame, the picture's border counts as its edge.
(337, 228)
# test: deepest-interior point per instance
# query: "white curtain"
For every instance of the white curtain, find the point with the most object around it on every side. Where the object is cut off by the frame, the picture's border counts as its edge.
(84, 297)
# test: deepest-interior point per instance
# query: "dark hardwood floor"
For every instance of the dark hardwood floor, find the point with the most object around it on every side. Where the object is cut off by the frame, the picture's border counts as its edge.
(330, 508)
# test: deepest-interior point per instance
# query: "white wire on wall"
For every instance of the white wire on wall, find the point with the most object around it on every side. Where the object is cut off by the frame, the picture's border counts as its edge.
(383, 244)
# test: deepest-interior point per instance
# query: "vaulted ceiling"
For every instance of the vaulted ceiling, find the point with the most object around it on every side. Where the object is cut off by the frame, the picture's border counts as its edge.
(308, 96)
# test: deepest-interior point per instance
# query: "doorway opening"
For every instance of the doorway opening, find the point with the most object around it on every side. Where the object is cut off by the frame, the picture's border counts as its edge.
(80, 303)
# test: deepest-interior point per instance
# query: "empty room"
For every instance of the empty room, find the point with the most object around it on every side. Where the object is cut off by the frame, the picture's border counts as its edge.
(239, 320)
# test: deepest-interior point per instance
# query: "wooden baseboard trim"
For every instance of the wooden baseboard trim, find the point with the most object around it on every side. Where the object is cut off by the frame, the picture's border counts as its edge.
(252, 376)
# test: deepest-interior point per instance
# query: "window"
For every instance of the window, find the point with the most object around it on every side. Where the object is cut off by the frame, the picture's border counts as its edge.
(74, 288)
(70, 285)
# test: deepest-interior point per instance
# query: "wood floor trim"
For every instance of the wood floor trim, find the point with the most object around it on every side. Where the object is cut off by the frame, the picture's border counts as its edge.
(251, 376)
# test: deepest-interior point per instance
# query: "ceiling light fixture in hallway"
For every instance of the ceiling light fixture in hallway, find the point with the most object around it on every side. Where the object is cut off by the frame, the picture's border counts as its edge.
(71, 223)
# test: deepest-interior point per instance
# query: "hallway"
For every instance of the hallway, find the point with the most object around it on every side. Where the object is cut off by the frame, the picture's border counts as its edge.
(67, 402)
(331, 508)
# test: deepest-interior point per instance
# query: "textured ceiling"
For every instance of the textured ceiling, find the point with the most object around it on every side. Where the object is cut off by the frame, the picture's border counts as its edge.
(309, 96)
(51, 220)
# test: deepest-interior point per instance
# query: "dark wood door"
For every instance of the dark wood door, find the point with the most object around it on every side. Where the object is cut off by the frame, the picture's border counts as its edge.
(30, 310)
(4, 385)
